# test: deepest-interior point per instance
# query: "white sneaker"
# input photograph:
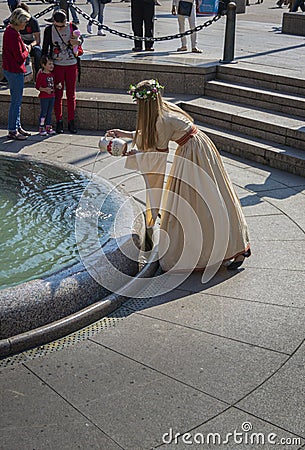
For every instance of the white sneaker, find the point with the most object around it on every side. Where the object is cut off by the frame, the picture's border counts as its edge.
(89, 28)
(101, 33)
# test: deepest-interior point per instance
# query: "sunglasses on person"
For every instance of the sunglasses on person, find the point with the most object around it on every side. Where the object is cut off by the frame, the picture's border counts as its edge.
(60, 26)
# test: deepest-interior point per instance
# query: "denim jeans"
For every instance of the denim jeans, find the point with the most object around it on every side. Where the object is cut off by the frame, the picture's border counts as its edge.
(97, 11)
(16, 83)
(296, 4)
(75, 18)
(46, 109)
(36, 53)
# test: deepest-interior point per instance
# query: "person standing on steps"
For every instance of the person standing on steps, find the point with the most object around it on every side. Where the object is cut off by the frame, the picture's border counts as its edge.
(142, 13)
(58, 42)
(98, 7)
(181, 21)
(14, 55)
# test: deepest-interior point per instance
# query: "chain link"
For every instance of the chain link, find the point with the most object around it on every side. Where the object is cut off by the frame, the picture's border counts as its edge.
(45, 11)
(138, 38)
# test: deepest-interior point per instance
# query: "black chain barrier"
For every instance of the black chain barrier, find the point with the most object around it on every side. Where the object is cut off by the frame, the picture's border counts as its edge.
(125, 35)
(39, 14)
(138, 38)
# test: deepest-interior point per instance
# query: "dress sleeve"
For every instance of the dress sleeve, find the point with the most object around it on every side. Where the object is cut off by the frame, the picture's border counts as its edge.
(171, 127)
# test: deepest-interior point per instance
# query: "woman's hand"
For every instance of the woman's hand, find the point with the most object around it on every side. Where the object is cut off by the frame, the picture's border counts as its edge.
(131, 152)
(75, 41)
(117, 133)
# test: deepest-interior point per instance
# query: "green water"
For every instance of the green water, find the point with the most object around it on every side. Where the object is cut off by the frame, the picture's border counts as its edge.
(37, 219)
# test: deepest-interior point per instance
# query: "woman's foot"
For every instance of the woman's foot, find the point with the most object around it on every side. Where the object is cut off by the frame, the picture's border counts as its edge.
(182, 49)
(23, 132)
(42, 131)
(59, 127)
(71, 127)
(50, 130)
(16, 135)
(238, 261)
(196, 50)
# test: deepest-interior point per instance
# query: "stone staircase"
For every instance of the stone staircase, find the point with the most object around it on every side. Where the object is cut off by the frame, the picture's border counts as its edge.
(257, 115)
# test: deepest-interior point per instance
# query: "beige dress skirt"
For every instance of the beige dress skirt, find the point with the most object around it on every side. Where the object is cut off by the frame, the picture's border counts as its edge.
(202, 223)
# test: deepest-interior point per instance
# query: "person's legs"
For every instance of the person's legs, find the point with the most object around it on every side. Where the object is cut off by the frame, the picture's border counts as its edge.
(75, 18)
(181, 23)
(36, 53)
(295, 5)
(101, 18)
(16, 83)
(43, 111)
(137, 21)
(95, 8)
(148, 14)
(42, 116)
(48, 116)
(70, 79)
(192, 23)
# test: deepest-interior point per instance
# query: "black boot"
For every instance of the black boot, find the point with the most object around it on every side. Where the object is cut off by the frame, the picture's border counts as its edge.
(59, 127)
(71, 127)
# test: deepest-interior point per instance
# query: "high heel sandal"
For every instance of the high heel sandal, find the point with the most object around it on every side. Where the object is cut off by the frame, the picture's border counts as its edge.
(237, 263)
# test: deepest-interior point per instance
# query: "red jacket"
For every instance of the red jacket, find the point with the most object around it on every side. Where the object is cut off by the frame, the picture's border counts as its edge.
(14, 51)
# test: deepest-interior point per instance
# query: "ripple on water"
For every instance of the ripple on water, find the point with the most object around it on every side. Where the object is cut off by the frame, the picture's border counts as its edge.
(37, 214)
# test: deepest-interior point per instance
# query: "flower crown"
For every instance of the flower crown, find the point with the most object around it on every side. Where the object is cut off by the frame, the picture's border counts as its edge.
(145, 93)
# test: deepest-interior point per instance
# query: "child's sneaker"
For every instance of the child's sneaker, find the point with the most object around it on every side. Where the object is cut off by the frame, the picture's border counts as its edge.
(42, 131)
(50, 130)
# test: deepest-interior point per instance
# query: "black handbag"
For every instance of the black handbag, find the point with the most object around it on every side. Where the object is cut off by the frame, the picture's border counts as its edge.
(185, 8)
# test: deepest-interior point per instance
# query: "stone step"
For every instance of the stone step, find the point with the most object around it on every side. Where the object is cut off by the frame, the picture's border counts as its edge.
(270, 126)
(236, 129)
(256, 96)
(97, 109)
(278, 156)
(188, 79)
(285, 82)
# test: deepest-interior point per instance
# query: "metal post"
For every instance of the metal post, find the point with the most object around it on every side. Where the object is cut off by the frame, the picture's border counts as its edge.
(229, 46)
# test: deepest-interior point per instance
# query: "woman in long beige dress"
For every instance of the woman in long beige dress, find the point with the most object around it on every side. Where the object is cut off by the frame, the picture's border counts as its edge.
(202, 223)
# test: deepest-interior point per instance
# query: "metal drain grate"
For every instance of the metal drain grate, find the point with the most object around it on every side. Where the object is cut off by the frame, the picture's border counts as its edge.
(101, 325)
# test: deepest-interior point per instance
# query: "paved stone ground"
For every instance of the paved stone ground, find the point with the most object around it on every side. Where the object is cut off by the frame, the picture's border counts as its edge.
(201, 359)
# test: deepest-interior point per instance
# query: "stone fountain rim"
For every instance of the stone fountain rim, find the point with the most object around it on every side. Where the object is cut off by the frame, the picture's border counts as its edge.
(69, 278)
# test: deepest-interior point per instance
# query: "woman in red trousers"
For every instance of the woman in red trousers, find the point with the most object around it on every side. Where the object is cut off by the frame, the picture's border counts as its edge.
(58, 42)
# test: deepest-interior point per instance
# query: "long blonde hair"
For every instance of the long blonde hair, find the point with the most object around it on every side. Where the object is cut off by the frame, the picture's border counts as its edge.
(149, 109)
